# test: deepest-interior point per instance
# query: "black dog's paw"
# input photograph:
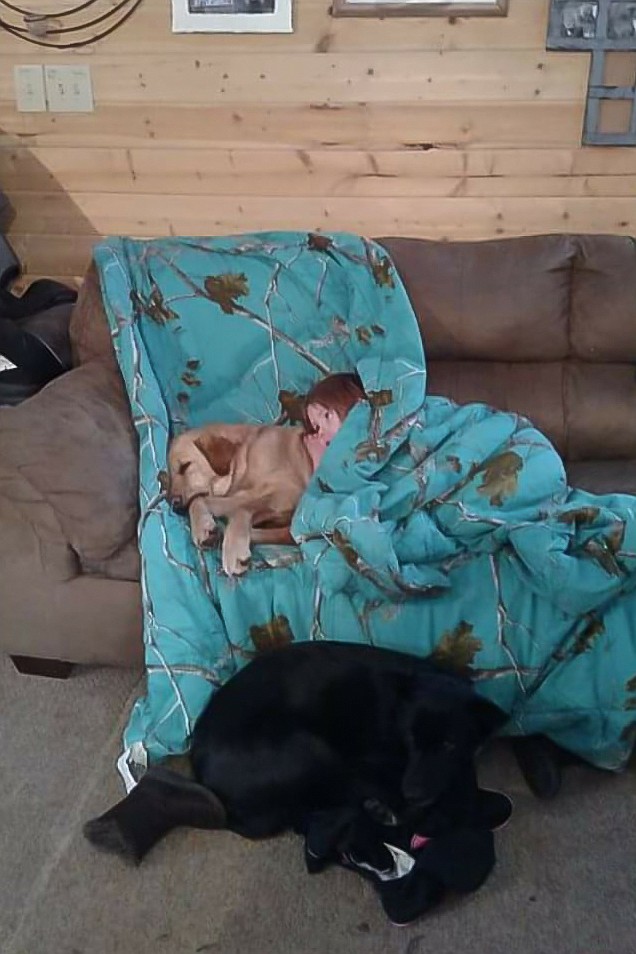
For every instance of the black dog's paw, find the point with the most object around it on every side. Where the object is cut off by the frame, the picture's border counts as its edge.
(104, 833)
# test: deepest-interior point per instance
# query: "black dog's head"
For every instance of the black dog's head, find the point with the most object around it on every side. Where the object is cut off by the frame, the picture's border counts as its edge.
(448, 723)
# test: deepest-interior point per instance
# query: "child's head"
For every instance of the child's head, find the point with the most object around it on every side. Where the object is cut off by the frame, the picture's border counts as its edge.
(326, 406)
(330, 400)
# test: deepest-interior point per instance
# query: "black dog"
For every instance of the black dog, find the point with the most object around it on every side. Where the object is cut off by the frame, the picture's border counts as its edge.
(311, 728)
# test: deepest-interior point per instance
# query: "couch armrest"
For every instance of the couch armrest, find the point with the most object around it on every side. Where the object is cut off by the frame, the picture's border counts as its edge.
(68, 464)
(46, 608)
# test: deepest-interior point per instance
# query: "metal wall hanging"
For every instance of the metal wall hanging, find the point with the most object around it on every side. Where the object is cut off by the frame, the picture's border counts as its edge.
(69, 28)
(599, 27)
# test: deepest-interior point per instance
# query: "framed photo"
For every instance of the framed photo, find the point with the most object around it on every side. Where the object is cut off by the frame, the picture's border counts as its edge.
(232, 16)
(420, 8)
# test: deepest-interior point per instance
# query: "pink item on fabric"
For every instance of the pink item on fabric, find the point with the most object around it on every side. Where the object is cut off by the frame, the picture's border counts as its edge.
(418, 841)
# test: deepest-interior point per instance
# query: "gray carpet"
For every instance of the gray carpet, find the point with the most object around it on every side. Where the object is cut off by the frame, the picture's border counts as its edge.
(565, 882)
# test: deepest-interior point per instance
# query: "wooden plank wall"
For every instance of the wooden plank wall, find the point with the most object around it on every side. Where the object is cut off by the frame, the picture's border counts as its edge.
(432, 127)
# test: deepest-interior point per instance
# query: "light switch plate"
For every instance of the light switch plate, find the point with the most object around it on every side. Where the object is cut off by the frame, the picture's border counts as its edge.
(69, 89)
(29, 89)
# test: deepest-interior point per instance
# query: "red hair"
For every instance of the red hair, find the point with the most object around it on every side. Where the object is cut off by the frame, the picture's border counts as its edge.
(336, 392)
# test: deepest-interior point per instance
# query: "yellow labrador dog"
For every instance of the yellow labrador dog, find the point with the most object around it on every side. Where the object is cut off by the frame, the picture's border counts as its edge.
(254, 475)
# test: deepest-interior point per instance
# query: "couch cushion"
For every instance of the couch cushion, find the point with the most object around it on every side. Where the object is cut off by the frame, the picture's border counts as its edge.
(600, 411)
(603, 322)
(125, 564)
(588, 411)
(603, 476)
(505, 300)
(534, 390)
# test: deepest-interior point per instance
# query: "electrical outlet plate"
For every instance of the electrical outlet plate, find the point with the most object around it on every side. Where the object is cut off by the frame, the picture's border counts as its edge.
(69, 89)
(29, 89)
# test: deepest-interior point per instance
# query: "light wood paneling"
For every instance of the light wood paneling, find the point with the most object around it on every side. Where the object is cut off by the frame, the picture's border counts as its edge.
(43, 213)
(373, 77)
(446, 128)
(315, 31)
(337, 172)
(443, 219)
(316, 124)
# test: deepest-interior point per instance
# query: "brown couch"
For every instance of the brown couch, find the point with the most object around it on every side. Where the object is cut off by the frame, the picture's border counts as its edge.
(543, 325)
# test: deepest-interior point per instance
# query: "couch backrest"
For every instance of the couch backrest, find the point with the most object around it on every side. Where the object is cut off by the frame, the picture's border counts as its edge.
(5, 213)
(89, 331)
(543, 325)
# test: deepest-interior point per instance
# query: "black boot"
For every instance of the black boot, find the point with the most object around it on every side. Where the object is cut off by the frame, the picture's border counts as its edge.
(540, 762)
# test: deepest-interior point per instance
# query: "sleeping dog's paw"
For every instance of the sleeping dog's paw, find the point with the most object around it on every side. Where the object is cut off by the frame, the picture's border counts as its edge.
(211, 540)
(205, 532)
(235, 554)
(106, 834)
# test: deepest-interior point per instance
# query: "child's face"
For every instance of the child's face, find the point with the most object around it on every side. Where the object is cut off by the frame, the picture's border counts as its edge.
(324, 421)
(326, 424)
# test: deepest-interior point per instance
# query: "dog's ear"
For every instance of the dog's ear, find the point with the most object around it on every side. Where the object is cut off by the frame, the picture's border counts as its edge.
(218, 451)
(441, 742)
(445, 694)
(486, 716)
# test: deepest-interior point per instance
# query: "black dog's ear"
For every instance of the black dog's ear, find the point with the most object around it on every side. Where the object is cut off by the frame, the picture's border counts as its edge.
(439, 744)
(486, 717)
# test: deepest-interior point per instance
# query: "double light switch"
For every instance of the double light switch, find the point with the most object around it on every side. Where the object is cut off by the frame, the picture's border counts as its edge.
(60, 89)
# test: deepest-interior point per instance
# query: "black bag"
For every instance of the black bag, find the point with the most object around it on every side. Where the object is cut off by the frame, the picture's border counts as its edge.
(39, 347)
(33, 331)
(43, 293)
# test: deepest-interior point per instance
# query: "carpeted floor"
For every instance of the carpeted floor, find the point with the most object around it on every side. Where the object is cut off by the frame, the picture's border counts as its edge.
(565, 881)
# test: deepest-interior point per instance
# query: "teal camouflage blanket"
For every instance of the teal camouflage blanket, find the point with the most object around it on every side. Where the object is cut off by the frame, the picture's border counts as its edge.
(428, 528)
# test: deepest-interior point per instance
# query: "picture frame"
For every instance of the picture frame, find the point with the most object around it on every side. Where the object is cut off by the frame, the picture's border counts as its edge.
(232, 16)
(420, 8)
